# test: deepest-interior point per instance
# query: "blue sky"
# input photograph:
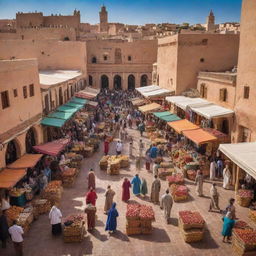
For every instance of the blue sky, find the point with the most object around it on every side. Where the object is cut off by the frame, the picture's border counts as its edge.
(131, 11)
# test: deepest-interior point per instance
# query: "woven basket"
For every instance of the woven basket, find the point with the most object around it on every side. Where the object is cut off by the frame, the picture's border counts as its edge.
(133, 230)
(190, 226)
(133, 223)
(252, 215)
(192, 235)
(243, 201)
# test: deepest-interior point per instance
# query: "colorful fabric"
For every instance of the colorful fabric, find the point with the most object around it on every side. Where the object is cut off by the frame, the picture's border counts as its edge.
(111, 221)
(136, 182)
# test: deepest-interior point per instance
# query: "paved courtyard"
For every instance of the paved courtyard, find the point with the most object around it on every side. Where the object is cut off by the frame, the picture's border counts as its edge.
(165, 240)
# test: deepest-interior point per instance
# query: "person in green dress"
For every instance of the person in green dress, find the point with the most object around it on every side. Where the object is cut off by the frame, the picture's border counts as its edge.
(144, 187)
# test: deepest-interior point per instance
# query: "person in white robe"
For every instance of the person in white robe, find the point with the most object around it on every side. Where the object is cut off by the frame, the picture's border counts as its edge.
(213, 168)
(226, 177)
(166, 204)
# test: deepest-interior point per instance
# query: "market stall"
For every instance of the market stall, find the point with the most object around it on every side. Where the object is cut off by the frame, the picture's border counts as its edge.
(149, 108)
(243, 158)
(52, 148)
(87, 93)
(138, 102)
(182, 125)
(26, 161)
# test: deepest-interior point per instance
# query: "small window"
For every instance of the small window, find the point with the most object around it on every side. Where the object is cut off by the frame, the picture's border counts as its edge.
(5, 99)
(25, 92)
(203, 91)
(129, 58)
(246, 92)
(15, 93)
(31, 90)
(202, 60)
(94, 60)
(204, 41)
(223, 94)
(105, 57)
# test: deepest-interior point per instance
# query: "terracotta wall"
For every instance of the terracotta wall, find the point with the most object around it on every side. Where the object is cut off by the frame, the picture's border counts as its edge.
(14, 75)
(187, 54)
(245, 108)
(50, 54)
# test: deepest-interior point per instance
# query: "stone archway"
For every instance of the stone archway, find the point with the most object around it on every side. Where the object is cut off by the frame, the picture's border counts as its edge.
(117, 82)
(143, 80)
(12, 152)
(104, 82)
(30, 140)
(131, 82)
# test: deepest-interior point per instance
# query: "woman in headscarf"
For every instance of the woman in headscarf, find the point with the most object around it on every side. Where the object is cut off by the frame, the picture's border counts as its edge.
(90, 210)
(55, 220)
(111, 220)
(106, 146)
(228, 224)
(126, 190)
(144, 187)
(136, 182)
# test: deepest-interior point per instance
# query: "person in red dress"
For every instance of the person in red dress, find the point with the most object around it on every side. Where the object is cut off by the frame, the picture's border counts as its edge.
(126, 190)
(106, 146)
(91, 197)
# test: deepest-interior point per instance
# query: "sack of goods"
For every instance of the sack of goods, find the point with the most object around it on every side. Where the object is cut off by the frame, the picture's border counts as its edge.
(68, 177)
(244, 241)
(139, 219)
(124, 161)
(252, 215)
(13, 214)
(42, 205)
(164, 172)
(175, 179)
(104, 163)
(244, 197)
(74, 230)
(24, 220)
(53, 191)
(179, 192)
(191, 174)
(191, 226)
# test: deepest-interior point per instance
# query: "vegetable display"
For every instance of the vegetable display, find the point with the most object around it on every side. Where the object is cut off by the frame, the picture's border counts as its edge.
(175, 179)
(247, 236)
(245, 193)
(191, 218)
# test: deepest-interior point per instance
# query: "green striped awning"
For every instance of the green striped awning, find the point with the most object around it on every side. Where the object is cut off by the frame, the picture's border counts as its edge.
(79, 100)
(170, 118)
(75, 105)
(61, 115)
(161, 114)
(55, 122)
(65, 108)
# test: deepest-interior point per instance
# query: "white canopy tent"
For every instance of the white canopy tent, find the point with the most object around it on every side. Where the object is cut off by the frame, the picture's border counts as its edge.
(210, 111)
(148, 88)
(191, 102)
(158, 92)
(175, 99)
(242, 154)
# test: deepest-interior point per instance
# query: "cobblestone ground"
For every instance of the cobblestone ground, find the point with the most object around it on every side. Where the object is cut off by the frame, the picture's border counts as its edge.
(165, 240)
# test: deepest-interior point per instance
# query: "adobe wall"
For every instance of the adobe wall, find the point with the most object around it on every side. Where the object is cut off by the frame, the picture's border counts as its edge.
(51, 54)
(29, 19)
(245, 108)
(167, 62)
(14, 75)
(220, 53)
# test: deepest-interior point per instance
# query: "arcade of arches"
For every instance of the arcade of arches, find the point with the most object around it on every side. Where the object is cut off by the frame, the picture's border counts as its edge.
(119, 82)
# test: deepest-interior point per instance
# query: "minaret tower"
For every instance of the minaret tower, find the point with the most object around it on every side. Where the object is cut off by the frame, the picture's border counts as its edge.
(210, 22)
(103, 19)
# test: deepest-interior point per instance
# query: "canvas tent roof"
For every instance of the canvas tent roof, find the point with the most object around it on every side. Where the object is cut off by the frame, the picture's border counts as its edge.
(9, 177)
(190, 102)
(61, 115)
(182, 125)
(242, 154)
(170, 118)
(26, 161)
(158, 92)
(149, 107)
(199, 136)
(148, 88)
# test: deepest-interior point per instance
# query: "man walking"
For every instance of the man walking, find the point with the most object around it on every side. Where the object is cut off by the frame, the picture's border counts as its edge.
(16, 233)
(166, 204)
(155, 189)
(119, 147)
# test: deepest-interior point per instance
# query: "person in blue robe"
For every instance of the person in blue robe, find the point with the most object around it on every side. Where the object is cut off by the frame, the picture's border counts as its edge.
(111, 220)
(136, 183)
(228, 224)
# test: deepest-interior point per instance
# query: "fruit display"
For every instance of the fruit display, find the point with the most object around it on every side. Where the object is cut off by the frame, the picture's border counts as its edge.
(13, 213)
(16, 192)
(191, 226)
(244, 197)
(53, 191)
(24, 220)
(241, 225)
(252, 215)
(113, 163)
(166, 165)
(139, 219)
(191, 219)
(164, 172)
(42, 205)
(74, 228)
(103, 163)
(191, 174)
(175, 179)
(179, 192)
(68, 177)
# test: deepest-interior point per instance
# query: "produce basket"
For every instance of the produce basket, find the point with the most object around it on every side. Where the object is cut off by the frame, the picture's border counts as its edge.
(189, 220)
(192, 235)
(165, 172)
(41, 206)
(13, 213)
(179, 192)
(175, 179)
(244, 197)
(252, 215)
(133, 222)
(146, 230)
(53, 192)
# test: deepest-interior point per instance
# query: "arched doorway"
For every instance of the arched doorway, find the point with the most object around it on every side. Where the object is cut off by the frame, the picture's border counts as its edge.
(131, 82)
(225, 126)
(60, 96)
(30, 140)
(117, 82)
(11, 153)
(144, 80)
(104, 82)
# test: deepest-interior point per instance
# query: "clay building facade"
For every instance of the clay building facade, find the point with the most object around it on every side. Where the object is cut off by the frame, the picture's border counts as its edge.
(120, 64)
(180, 58)
(21, 100)
(245, 128)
